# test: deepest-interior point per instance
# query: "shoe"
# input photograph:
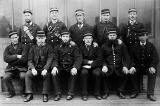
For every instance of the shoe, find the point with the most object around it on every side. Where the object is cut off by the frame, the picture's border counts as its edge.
(69, 97)
(10, 95)
(105, 96)
(98, 97)
(57, 98)
(45, 98)
(134, 95)
(85, 98)
(121, 95)
(28, 98)
(151, 97)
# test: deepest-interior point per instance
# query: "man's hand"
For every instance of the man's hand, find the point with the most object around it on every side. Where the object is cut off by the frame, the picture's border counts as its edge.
(152, 70)
(44, 72)
(90, 62)
(72, 43)
(19, 56)
(125, 70)
(119, 41)
(132, 70)
(34, 72)
(105, 69)
(87, 66)
(95, 44)
(73, 71)
(54, 71)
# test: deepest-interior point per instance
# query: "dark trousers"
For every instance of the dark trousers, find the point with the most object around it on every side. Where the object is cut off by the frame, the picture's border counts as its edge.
(29, 81)
(151, 80)
(62, 77)
(87, 73)
(115, 80)
(9, 76)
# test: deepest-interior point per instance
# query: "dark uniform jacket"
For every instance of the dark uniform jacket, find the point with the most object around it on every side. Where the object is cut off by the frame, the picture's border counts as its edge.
(77, 33)
(40, 57)
(52, 31)
(101, 31)
(67, 57)
(115, 57)
(24, 38)
(10, 57)
(144, 57)
(129, 33)
(92, 53)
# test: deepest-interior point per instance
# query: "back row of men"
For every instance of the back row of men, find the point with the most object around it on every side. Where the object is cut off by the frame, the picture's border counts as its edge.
(102, 52)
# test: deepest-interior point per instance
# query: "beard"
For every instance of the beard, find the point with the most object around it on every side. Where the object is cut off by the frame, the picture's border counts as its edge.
(112, 42)
(28, 21)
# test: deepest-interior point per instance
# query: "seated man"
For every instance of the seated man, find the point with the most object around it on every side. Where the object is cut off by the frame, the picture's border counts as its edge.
(115, 63)
(146, 59)
(91, 66)
(65, 66)
(16, 56)
(39, 61)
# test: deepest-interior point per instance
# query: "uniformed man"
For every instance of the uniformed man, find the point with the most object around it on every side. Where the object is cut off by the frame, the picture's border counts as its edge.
(102, 28)
(115, 63)
(129, 31)
(129, 34)
(54, 27)
(146, 59)
(91, 66)
(27, 32)
(65, 66)
(39, 62)
(77, 30)
(16, 56)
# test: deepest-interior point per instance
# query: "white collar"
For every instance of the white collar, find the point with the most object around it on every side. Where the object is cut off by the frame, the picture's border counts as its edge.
(142, 43)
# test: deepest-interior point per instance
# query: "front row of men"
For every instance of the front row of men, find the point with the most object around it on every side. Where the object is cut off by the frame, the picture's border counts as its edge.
(67, 61)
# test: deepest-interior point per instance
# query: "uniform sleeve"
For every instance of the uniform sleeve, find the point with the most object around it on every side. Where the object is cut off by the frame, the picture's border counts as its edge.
(77, 58)
(19, 34)
(49, 59)
(8, 58)
(55, 57)
(155, 58)
(30, 59)
(98, 61)
(126, 57)
(45, 29)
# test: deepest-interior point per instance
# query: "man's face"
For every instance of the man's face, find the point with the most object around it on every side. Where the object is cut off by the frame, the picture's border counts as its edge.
(27, 17)
(40, 40)
(112, 36)
(65, 38)
(54, 15)
(105, 17)
(88, 40)
(143, 38)
(80, 17)
(132, 16)
(14, 39)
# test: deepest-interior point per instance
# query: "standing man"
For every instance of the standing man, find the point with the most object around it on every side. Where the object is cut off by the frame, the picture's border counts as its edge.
(129, 34)
(91, 66)
(102, 28)
(65, 66)
(53, 28)
(129, 31)
(77, 30)
(27, 32)
(16, 56)
(115, 64)
(146, 59)
(39, 62)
